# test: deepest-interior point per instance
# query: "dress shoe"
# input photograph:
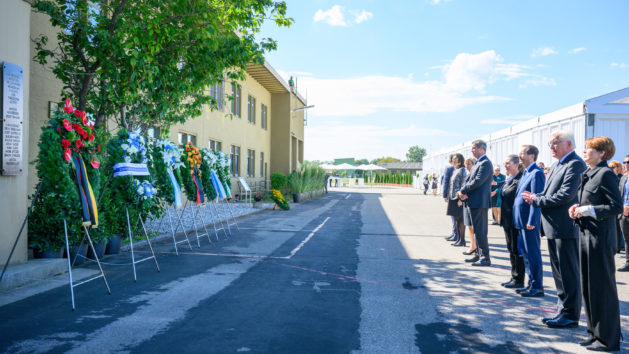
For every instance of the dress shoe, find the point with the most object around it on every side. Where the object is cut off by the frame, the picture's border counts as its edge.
(562, 322)
(587, 342)
(533, 293)
(546, 319)
(597, 346)
(482, 263)
(507, 282)
(513, 285)
(521, 290)
(467, 253)
(473, 259)
(451, 238)
(459, 244)
(624, 268)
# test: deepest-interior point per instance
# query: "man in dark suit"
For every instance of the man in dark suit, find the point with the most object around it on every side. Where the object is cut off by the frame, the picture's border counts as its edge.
(560, 192)
(623, 218)
(527, 219)
(508, 193)
(476, 191)
(445, 188)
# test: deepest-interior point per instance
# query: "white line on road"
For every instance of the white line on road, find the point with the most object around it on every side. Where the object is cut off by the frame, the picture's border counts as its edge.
(296, 249)
(347, 196)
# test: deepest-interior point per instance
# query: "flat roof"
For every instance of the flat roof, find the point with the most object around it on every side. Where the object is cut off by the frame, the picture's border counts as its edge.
(266, 75)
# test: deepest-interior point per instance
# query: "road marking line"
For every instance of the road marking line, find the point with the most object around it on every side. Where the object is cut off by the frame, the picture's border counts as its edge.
(347, 197)
(310, 235)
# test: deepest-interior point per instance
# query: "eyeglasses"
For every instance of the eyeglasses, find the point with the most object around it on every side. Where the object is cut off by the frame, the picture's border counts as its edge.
(626, 162)
(555, 143)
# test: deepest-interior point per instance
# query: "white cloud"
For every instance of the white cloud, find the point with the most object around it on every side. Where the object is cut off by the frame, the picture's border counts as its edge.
(437, 2)
(464, 82)
(333, 17)
(542, 52)
(538, 81)
(509, 120)
(338, 16)
(362, 16)
(618, 65)
(331, 140)
(577, 50)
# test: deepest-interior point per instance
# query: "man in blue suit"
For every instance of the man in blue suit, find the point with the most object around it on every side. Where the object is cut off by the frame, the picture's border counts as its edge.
(445, 188)
(476, 190)
(527, 219)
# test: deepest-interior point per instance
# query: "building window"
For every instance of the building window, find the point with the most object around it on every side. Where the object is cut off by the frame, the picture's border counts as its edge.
(217, 92)
(264, 111)
(236, 100)
(215, 145)
(185, 138)
(251, 109)
(234, 154)
(261, 164)
(251, 163)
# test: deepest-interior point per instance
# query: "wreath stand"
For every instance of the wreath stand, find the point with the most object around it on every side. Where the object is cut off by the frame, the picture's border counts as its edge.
(218, 220)
(173, 230)
(148, 240)
(101, 275)
(230, 216)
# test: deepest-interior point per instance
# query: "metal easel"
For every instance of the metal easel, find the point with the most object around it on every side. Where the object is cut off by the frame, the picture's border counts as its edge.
(148, 240)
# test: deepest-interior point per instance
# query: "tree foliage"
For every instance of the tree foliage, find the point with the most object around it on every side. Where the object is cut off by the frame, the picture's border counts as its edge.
(415, 154)
(385, 159)
(149, 62)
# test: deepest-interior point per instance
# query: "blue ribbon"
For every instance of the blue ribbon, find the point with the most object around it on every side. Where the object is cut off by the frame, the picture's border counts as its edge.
(130, 169)
(218, 186)
(176, 188)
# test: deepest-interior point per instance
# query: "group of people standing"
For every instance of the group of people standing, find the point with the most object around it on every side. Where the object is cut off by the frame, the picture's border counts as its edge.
(576, 205)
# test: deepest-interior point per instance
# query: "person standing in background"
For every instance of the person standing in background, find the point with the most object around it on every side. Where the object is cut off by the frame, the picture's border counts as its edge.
(560, 192)
(620, 242)
(623, 218)
(467, 218)
(476, 191)
(445, 192)
(455, 206)
(508, 193)
(599, 204)
(435, 183)
(496, 185)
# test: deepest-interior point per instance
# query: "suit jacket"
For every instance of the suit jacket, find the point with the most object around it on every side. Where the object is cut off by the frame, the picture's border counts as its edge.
(477, 185)
(508, 198)
(524, 214)
(599, 188)
(456, 181)
(446, 181)
(621, 186)
(559, 194)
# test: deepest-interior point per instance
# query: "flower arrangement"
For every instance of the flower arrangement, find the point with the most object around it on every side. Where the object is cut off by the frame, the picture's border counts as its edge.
(279, 200)
(134, 190)
(165, 162)
(257, 197)
(191, 173)
(69, 135)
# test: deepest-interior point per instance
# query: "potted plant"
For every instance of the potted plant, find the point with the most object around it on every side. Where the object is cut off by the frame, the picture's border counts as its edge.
(296, 186)
(257, 197)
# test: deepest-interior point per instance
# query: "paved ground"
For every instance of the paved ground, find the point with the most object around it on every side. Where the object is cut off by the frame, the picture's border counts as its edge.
(359, 270)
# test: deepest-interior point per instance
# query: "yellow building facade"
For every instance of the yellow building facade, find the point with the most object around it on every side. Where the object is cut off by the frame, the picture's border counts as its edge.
(257, 123)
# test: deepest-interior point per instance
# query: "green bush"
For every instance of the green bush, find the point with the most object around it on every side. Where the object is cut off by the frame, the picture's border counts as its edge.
(295, 183)
(278, 181)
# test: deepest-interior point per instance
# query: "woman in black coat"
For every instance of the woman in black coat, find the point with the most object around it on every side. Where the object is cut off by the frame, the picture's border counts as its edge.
(599, 203)
(455, 206)
(508, 193)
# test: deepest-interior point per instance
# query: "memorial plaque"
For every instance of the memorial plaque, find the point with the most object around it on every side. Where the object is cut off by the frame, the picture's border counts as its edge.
(12, 118)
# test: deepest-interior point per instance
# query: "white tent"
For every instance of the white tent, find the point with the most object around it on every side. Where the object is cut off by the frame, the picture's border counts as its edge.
(371, 168)
(344, 166)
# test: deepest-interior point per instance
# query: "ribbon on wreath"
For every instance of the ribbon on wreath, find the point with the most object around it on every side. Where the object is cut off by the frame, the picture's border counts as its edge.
(88, 202)
(176, 188)
(197, 183)
(130, 169)
(218, 186)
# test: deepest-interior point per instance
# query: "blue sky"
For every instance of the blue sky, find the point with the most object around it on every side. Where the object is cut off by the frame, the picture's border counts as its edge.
(386, 75)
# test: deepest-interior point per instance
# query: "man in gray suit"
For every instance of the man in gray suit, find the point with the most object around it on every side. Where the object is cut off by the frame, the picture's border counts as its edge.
(560, 192)
(476, 190)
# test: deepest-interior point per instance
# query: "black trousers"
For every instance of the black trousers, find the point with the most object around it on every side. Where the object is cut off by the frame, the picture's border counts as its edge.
(564, 262)
(598, 280)
(624, 227)
(517, 262)
(479, 222)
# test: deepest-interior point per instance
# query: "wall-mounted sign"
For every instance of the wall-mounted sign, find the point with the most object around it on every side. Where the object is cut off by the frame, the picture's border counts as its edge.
(11, 125)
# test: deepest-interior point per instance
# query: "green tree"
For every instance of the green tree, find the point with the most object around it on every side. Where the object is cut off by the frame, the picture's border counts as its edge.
(415, 154)
(149, 62)
(362, 162)
(384, 159)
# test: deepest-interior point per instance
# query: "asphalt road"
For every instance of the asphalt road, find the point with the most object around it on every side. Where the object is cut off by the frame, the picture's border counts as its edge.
(357, 271)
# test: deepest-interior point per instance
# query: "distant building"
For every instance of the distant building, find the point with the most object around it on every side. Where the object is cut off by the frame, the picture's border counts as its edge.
(402, 167)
